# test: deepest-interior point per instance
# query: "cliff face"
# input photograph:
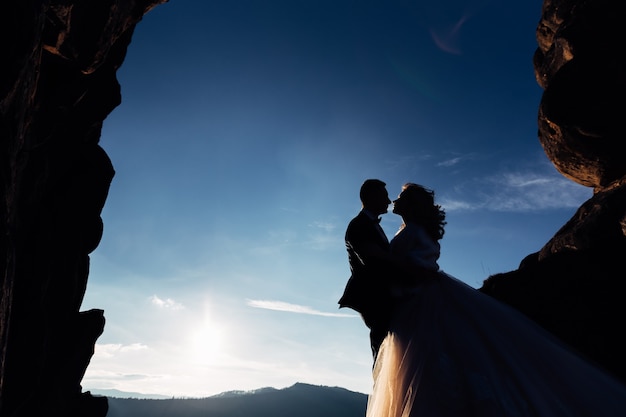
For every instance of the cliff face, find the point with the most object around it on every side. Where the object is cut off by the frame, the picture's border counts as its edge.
(57, 85)
(575, 284)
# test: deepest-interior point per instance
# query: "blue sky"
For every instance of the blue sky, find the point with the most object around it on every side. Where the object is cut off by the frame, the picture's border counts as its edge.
(245, 131)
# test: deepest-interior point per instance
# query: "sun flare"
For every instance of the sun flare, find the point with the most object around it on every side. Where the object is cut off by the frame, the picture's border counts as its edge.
(205, 342)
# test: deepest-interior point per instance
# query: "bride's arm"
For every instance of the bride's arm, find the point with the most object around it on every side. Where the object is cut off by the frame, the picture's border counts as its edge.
(419, 254)
(372, 250)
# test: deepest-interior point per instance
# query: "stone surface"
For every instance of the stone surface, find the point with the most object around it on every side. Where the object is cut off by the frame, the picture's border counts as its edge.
(57, 85)
(580, 65)
(574, 285)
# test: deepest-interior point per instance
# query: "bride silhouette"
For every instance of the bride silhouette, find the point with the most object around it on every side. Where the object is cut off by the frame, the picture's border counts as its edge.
(454, 351)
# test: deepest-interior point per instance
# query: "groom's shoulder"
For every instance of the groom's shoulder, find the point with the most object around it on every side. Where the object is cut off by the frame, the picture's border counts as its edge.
(359, 224)
(359, 219)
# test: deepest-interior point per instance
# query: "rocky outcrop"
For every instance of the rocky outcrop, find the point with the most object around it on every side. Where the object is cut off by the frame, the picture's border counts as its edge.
(581, 67)
(574, 286)
(57, 85)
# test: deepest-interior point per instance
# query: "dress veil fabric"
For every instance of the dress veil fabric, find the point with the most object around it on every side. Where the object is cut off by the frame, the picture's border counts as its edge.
(455, 352)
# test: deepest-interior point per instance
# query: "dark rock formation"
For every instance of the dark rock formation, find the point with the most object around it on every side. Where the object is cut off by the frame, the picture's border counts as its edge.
(575, 284)
(581, 68)
(57, 85)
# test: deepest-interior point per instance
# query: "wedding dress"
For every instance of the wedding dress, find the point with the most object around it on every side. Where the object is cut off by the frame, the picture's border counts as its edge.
(453, 351)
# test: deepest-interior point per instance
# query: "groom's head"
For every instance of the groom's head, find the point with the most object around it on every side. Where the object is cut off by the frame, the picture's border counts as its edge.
(374, 196)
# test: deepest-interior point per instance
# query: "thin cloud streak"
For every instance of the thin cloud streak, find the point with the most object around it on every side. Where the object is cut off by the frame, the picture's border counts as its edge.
(519, 192)
(168, 303)
(326, 226)
(292, 308)
(449, 162)
(108, 350)
(103, 375)
(456, 160)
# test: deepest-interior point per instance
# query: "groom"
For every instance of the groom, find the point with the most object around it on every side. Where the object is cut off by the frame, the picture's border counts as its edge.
(367, 290)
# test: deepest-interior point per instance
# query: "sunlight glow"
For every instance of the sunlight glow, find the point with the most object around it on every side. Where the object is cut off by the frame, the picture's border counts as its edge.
(205, 342)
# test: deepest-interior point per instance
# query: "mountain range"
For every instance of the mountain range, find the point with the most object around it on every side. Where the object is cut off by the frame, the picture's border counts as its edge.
(301, 400)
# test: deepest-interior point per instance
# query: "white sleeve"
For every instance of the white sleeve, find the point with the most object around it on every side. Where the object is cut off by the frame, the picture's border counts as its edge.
(426, 256)
(422, 249)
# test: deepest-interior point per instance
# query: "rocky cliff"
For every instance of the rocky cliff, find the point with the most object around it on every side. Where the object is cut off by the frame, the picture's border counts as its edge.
(574, 286)
(57, 85)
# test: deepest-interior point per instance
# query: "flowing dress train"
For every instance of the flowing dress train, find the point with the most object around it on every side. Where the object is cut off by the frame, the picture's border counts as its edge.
(455, 352)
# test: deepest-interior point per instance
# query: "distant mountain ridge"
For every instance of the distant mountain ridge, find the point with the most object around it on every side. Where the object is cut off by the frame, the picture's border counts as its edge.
(302, 400)
(239, 393)
(114, 393)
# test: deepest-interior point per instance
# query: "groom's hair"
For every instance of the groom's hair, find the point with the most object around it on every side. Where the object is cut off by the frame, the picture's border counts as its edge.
(368, 189)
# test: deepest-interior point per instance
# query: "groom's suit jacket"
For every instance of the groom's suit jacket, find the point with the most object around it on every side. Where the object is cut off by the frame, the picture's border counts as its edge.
(367, 289)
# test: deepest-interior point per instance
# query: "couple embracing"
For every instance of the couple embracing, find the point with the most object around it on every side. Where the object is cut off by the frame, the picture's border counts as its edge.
(375, 269)
(442, 348)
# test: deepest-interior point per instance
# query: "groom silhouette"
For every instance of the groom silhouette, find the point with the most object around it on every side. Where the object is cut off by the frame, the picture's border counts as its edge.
(367, 290)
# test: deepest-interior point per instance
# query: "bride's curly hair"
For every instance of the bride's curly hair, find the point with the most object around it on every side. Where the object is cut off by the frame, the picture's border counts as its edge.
(424, 211)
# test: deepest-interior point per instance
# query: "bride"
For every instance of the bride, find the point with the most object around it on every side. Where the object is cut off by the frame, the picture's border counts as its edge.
(454, 351)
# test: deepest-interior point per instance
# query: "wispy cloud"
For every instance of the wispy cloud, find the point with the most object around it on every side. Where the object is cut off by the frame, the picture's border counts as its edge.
(292, 308)
(324, 236)
(517, 192)
(109, 350)
(449, 162)
(457, 159)
(326, 226)
(456, 205)
(100, 374)
(168, 303)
